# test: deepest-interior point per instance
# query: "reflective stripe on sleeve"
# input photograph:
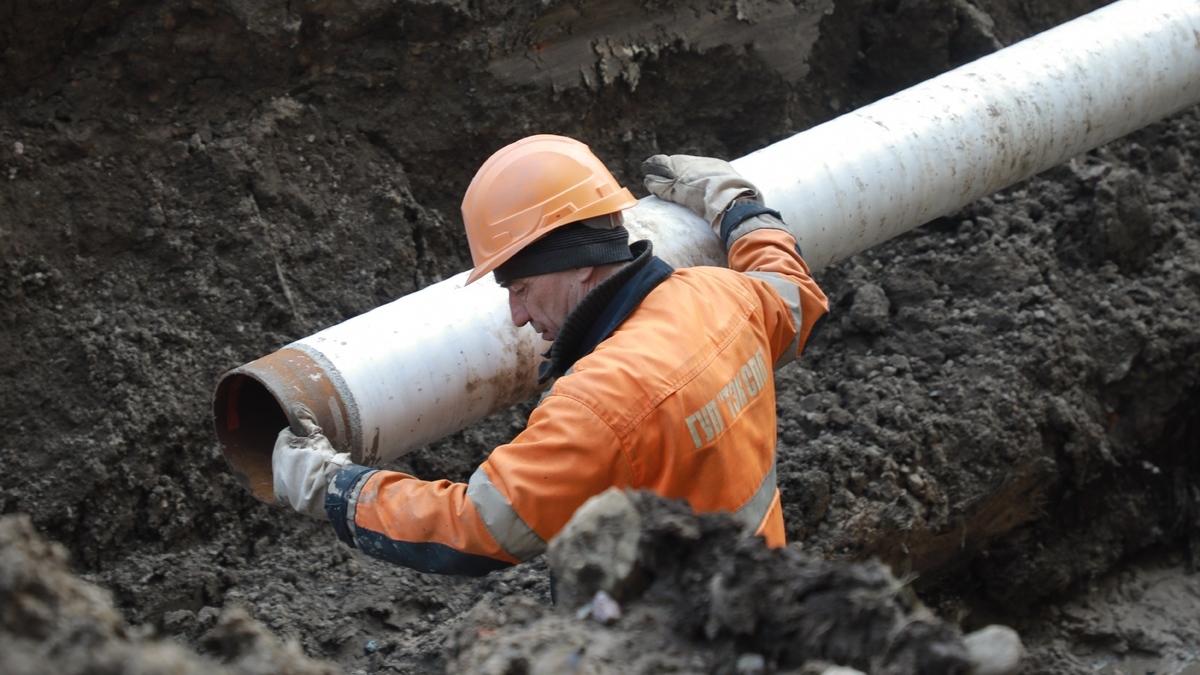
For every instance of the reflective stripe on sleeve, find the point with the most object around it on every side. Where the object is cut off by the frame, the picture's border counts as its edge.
(790, 293)
(754, 511)
(506, 527)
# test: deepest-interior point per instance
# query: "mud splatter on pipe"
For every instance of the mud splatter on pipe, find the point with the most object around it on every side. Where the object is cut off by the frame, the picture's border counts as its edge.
(389, 381)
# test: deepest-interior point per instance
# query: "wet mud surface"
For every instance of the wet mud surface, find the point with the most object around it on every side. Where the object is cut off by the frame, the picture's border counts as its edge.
(1001, 407)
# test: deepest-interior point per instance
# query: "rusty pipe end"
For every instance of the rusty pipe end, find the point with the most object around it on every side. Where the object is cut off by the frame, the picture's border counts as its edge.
(253, 403)
(248, 418)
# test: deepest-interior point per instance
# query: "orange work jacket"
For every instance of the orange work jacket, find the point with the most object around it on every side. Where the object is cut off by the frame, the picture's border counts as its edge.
(679, 399)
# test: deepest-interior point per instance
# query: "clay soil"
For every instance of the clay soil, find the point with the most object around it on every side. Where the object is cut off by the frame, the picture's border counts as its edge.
(1001, 408)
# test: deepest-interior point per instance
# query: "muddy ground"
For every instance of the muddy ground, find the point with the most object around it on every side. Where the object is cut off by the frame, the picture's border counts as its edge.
(1002, 407)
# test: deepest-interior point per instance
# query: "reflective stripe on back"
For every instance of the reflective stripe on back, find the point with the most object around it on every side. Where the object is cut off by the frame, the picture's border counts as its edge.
(754, 511)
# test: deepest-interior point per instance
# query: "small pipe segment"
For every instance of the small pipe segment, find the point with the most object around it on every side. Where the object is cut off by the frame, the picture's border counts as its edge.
(433, 362)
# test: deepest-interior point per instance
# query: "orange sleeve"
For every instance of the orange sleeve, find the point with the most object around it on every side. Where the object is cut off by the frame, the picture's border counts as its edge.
(774, 255)
(518, 499)
(565, 455)
(394, 508)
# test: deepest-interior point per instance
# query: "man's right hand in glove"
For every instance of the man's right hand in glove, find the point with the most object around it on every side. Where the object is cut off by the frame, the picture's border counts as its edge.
(304, 465)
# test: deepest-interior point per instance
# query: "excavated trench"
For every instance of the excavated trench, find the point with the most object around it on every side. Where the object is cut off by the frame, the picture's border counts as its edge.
(1001, 407)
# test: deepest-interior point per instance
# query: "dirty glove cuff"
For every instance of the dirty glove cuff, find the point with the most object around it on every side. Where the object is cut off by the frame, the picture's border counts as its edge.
(743, 211)
(342, 497)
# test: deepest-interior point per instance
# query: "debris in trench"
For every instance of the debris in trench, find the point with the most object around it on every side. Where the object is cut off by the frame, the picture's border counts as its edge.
(643, 583)
(602, 608)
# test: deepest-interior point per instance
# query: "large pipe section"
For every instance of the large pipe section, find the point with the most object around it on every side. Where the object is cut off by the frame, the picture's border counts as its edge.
(930, 150)
(435, 361)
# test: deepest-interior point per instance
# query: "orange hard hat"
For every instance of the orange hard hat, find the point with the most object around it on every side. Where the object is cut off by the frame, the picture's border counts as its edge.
(528, 189)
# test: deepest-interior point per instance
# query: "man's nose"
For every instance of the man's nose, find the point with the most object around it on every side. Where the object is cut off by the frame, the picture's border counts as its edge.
(516, 308)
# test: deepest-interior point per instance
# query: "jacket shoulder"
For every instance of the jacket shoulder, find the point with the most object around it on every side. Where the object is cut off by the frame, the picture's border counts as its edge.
(672, 335)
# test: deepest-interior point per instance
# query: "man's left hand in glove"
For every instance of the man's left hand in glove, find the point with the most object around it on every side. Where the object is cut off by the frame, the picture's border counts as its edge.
(304, 465)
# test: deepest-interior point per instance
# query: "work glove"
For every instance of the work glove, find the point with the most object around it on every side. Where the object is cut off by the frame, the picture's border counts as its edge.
(706, 185)
(303, 465)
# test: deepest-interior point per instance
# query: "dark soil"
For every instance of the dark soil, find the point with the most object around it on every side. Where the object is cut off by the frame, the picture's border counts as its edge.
(646, 586)
(1001, 408)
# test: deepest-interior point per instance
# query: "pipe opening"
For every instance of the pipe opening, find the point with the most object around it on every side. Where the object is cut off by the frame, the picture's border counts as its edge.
(248, 419)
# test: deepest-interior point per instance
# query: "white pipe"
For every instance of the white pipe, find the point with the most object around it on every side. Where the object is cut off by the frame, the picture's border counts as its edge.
(930, 150)
(427, 365)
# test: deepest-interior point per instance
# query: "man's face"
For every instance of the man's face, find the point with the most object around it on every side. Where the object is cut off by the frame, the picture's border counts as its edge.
(545, 300)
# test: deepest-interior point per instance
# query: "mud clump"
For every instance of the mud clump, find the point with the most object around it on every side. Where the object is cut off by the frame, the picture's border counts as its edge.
(53, 622)
(645, 585)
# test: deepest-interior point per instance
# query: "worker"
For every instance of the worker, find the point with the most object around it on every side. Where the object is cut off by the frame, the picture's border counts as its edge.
(662, 379)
